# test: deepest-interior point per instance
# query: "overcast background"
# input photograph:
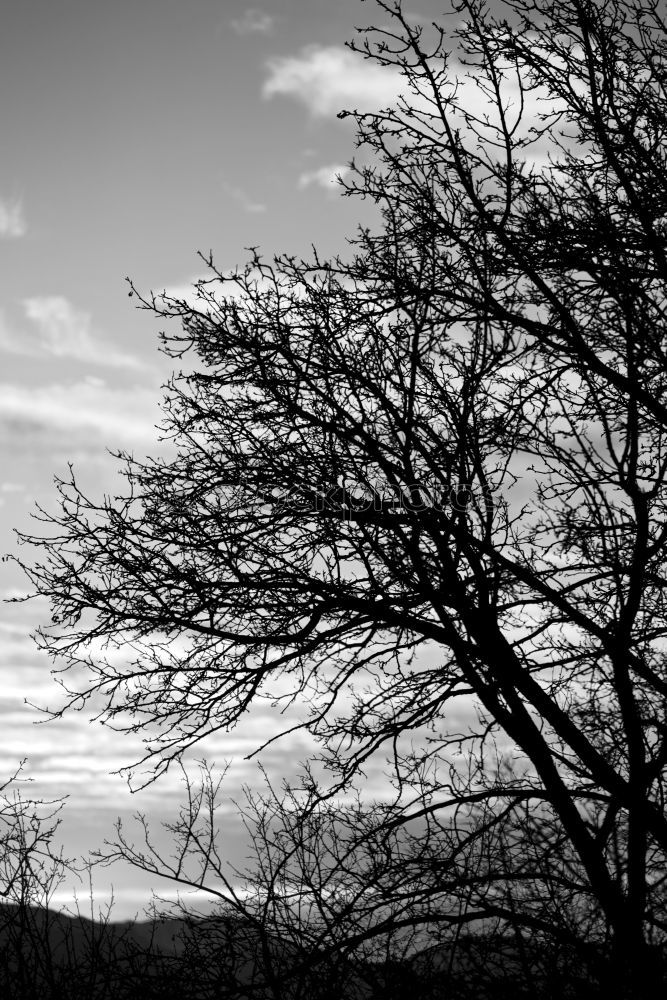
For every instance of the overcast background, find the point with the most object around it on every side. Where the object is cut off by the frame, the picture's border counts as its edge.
(133, 134)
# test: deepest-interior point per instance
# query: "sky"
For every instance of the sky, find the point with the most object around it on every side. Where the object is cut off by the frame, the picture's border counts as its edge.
(135, 134)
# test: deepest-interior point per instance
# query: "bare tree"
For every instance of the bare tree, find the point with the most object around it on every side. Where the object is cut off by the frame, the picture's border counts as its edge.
(32, 868)
(431, 475)
(309, 916)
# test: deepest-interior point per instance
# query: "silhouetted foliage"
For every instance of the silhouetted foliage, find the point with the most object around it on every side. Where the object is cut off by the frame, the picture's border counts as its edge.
(422, 490)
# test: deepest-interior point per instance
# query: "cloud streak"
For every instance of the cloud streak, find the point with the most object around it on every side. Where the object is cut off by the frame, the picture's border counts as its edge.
(57, 329)
(63, 331)
(253, 22)
(88, 409)
(12, 220)
(242, 198)
(326, 177)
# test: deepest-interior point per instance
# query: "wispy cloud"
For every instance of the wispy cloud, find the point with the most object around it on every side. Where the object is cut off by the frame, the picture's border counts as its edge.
(242, 198)
(12, 220)
(326, 177)
(201, 291)
(186, 291)
(56, 328)
(328, 79)
(65, 331)
(61, 418)
(253, 22)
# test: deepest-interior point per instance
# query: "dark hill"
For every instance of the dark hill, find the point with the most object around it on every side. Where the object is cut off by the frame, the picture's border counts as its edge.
(49, 955)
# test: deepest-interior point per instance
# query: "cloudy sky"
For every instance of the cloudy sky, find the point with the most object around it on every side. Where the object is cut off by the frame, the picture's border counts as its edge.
(134, 134)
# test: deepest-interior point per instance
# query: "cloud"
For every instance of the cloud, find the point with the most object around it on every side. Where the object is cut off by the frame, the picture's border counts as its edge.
(12, 221)
(253, 22)
(63, 416)
(324, 177)
(328, 79)
(60, 330)
(187, 291)
(201, 292)
(241, 197)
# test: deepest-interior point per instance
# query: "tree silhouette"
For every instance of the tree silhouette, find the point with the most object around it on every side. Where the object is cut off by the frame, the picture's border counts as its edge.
(421, 488)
